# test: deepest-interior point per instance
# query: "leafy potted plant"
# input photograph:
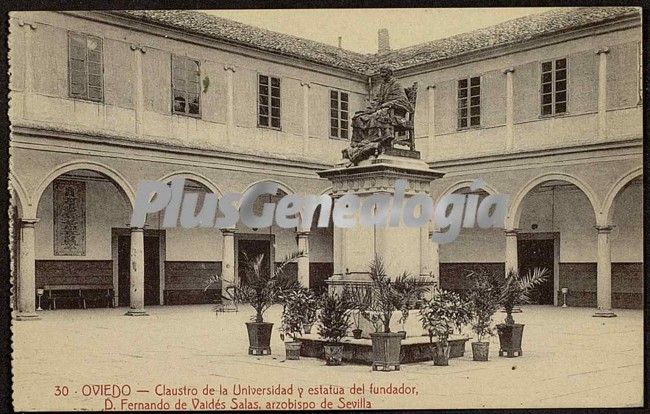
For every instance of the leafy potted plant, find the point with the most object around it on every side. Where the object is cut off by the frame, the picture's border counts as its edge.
(444, 311)
(334, 324)
(358, 296)
(261, 289)
(514, 290)
(484, 299)
(309, 304)
(411, 291)
(382, 301)
(293, 318)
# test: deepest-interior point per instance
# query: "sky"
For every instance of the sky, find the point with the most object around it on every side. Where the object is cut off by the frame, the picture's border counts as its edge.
(358, 27)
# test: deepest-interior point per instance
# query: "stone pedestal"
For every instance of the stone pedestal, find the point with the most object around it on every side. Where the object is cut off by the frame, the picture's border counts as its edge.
(401, 248)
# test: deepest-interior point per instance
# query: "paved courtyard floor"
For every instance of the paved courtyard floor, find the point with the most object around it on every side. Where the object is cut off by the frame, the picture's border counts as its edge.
(571, 359)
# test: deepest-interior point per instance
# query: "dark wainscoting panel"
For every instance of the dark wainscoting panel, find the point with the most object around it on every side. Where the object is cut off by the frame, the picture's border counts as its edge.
(453, 275)
(581, 279)
(318, 273)
(185, 282)
(73, 272)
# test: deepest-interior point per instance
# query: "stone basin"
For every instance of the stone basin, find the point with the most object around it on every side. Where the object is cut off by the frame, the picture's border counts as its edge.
(359, 351)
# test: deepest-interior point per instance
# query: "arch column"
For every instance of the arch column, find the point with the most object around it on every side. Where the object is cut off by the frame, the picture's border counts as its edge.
(136, 275)
(430, 254)
(604, 273)
(303, 261)
(512, 262)
(27, 283)
(228, 258)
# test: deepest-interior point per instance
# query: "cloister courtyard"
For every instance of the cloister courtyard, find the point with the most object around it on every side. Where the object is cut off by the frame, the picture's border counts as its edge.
(570, 359)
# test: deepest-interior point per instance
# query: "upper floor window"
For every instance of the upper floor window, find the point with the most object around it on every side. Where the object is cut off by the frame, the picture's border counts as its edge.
(469, 102)
(186, 89)
(554, 87)
(268, 102)
(85, 68)
(339, 121)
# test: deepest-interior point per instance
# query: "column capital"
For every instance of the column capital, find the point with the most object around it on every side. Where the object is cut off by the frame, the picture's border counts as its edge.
(229, 230)
(307, 84)
(302, 233)
(136, 229)
(136, 47)
(431, 87)
(508, 70)
(23, 23)
(602, 50)
(29, 222)
(604, 229)
(229, 68)
(511, 232)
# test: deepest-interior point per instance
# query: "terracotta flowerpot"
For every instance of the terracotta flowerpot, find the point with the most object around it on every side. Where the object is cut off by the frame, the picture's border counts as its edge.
(441, 353)
(386, 350)
(307, 327)
(480, 351)
(356, 333)
(510, 336)
(259, 338)
(293, 350)
(333, 354)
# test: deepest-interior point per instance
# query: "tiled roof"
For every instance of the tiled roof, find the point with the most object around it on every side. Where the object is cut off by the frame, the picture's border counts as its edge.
(509, 32)
(239, 33)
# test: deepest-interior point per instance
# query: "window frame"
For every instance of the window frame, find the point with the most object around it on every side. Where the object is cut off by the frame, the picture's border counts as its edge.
(268, 105)
(87, 97)
(338, 118)
(171, 72)
(553, 90)
(469, 100)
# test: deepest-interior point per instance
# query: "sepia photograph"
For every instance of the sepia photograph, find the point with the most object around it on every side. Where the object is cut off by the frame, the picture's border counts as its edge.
(326, 209)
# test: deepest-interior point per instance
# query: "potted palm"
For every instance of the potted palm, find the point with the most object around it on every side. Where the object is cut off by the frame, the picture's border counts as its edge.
(382, 301)
(293, 319)
(444, 311)
(484, 299)
(514, 290)
(309, 304)
(262, 288)
(358, 296)
(411, 291)
(334, 324)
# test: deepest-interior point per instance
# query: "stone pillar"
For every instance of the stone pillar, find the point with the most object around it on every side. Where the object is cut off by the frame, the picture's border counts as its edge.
(509, 108)
(230, 101)
(431, 132)
(303, 261)
(228, 259)
(604, 273)
(602, 92)
(305, 115)
(511, 250)
(136, 277)
(139, 88)
(434, 254)
(27, 283)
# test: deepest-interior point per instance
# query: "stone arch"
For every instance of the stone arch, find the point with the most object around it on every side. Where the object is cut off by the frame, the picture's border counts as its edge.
(284, 187)
(22, 202)
(464, 184)
(514, 211)
(118, 180)
(607, 210)
(190, 175)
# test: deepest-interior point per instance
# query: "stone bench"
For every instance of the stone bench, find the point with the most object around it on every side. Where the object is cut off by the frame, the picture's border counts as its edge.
(79, 293)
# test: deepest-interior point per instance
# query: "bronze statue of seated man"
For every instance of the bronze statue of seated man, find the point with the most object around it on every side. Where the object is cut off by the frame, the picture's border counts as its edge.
(373, 129)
